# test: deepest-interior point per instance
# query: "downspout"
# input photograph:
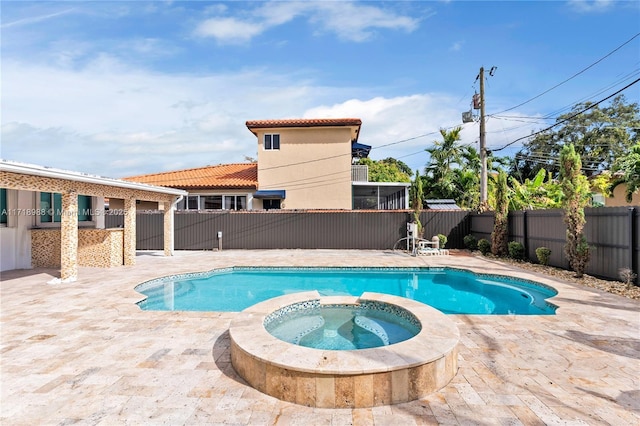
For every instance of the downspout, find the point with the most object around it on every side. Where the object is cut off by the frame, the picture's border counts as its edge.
(174, 205)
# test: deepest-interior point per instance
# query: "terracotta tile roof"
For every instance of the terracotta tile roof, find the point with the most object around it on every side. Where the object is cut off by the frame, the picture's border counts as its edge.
(303, 122)
(232, 176)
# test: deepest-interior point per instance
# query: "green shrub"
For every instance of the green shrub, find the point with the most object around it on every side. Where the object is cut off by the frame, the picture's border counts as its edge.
(443, 240)
(484, 246)
(543, 254)
(470, 242)
(516, 250)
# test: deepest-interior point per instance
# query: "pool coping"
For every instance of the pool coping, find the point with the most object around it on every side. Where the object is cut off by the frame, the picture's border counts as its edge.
(438, 336)
(393, 374)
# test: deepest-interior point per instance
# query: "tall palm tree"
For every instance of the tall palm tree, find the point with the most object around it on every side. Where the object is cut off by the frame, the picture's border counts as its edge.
(445, 156)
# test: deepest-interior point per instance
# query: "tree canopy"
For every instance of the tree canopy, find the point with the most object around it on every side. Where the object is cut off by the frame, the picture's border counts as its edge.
(599, 136)
(628, 166)
(387, 170)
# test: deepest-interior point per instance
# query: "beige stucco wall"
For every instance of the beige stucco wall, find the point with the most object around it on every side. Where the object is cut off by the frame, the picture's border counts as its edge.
(313, 166)
(618, 199)
(102, 248)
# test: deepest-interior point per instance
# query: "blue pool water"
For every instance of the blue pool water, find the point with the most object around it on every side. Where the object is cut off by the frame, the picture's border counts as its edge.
(342, 327)
(452, 291)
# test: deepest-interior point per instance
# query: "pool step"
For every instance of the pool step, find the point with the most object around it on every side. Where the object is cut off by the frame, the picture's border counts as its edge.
(308, 325)
(372, 326)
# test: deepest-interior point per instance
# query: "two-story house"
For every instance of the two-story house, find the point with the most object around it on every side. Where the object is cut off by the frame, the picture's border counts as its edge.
(303, 163)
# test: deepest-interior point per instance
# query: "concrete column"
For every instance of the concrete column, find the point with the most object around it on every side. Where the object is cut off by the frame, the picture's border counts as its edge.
(129, 231)
(69, 237)
(168, 228)
(98, 216)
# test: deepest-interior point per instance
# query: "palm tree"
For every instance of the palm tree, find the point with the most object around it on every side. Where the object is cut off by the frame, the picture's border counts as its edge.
(443, 156)
(444, 153)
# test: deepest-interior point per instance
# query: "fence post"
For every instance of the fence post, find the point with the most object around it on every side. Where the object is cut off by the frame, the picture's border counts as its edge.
(633, 264)
(525, 234)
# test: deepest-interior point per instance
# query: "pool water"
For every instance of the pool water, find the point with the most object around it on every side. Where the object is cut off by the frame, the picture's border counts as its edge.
(452, 291)
(342, 327)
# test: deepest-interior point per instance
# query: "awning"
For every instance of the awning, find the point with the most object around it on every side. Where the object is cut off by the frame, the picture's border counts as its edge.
(359, 150)
(445, 204)
(271, 193)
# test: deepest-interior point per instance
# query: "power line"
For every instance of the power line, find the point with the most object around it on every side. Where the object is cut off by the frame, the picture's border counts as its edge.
(570, 117)
(553, 115)
(573, 76)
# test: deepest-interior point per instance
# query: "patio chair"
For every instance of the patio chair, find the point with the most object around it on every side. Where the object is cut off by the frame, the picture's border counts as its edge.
(431, 248)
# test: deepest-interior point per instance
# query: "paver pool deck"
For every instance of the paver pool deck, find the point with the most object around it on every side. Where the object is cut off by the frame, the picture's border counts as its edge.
(84, 353)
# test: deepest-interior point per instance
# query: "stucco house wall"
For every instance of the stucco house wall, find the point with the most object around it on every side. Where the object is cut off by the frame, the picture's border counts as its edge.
(618, 197)
(313, 165)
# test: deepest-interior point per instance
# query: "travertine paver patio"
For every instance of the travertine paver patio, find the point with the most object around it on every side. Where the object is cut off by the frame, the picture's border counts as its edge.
(83, 353)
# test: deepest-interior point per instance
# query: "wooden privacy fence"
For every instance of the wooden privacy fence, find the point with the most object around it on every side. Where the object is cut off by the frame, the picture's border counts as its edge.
(613, 232)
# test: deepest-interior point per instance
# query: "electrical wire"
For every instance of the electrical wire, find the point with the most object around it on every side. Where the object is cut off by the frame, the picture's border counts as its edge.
(570, 117)
(572, 77)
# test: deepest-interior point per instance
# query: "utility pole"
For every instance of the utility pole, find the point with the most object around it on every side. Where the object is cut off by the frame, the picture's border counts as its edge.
(483, 147)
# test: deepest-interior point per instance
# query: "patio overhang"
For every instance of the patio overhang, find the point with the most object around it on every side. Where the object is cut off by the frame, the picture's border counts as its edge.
(29, 177)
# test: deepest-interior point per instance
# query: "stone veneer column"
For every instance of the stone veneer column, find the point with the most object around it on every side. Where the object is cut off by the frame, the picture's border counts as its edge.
(69, 237)
(129, 231)
(168, 229)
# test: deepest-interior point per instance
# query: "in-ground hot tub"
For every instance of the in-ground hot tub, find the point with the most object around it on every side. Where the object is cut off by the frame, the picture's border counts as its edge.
(387, 373)
(363, 325)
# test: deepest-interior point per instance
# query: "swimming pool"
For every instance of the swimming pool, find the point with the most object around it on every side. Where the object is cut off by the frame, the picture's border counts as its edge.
(452, 291)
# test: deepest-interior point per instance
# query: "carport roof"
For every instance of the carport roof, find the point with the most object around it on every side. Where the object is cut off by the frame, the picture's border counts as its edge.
(35, 170)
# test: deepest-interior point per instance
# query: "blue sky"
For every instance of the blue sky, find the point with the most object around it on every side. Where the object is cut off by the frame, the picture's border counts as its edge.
(131, 87)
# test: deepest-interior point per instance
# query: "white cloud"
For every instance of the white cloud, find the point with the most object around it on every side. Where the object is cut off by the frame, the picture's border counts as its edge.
(590, 6)
(414, 121)
(229, 30)
(350, 21)
(93, 118)
(113, 119)
(356, 22)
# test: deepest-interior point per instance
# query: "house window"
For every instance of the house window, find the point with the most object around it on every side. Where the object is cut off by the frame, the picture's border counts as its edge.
(212, 202)
(51, 208)
(269, 204)
(3, 207)
(216, 202)
(84, 208)
(241, 202)
(192, 202)
(271, 142)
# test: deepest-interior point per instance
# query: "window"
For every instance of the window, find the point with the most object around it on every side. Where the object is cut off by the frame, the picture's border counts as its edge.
(216, 202)
(212, 202)
(3, 207)
(241, 202)
(192, 202)
(235, 202)
(51, 208)
(271, 142)
(269, 204)
(84, 208)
